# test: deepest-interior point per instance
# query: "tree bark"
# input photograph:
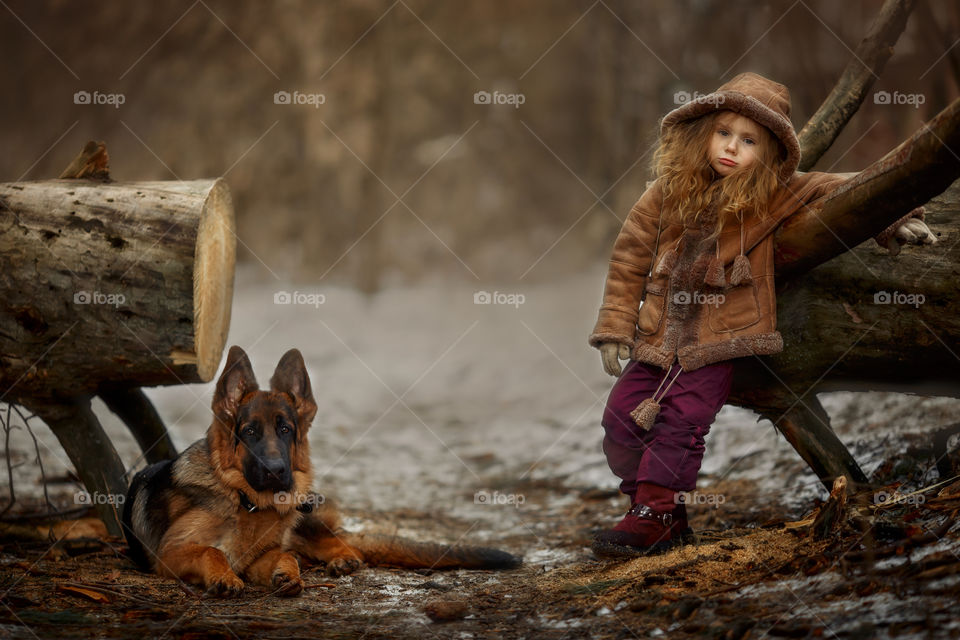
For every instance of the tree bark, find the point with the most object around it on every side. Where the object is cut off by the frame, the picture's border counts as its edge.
(124, 284)
(858, 77)
(907, 177)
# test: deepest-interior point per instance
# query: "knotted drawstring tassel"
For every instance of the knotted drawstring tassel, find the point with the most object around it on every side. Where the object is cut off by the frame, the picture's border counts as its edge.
(740, 272)
(646, 412)
(714, 276)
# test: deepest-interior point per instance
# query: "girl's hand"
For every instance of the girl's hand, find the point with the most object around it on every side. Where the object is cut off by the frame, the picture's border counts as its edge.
(913, 231)
(610, 354)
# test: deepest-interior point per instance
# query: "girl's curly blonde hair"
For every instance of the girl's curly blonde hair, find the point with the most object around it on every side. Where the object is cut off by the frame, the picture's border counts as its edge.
(689, 184)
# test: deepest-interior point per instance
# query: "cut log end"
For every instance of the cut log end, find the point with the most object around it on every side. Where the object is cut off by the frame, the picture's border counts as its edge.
(213, 279)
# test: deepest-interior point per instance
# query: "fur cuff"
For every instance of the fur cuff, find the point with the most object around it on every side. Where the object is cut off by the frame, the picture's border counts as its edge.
(652, 355)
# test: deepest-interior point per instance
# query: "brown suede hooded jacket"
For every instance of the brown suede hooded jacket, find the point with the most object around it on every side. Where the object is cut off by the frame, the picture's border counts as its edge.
(704, 303)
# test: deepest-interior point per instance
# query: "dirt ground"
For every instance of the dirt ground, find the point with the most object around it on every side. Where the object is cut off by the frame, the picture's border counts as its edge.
(411, 432)
(748, 574)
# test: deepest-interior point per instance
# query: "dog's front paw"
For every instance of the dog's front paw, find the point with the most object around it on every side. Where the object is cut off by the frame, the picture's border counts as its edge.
(342, 566)
(227, 585)
(285, 584)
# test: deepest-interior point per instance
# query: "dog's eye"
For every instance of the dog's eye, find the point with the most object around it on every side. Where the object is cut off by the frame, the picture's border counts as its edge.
(283, 427)
(250, 432)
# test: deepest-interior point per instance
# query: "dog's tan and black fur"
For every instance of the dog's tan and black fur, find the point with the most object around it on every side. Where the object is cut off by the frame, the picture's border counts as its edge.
(237, 506)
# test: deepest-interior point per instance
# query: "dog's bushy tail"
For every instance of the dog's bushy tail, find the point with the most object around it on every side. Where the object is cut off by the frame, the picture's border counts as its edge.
(388, 550)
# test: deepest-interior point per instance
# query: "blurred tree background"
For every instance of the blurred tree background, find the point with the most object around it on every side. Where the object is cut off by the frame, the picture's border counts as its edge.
(400, 174)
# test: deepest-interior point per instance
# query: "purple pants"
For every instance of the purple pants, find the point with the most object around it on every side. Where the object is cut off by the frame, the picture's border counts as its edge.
(670, 453)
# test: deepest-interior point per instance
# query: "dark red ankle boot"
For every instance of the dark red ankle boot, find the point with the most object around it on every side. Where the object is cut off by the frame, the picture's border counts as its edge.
(647, 528)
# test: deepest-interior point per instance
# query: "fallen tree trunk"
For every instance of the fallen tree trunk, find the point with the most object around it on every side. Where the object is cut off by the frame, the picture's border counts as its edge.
(864, 321)
(124, 284)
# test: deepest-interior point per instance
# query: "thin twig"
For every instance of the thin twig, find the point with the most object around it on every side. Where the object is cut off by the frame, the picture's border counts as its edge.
(6, 444)
(36, 447)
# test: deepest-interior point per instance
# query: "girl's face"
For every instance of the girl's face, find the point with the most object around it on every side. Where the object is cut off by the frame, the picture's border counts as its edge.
(734, 143)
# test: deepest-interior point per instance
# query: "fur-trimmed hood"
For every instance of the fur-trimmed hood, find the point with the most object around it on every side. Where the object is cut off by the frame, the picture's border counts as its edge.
(753, 96)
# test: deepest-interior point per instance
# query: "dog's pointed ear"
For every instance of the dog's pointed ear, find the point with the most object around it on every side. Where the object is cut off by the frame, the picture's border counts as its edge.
(236, 381)
(291, 378)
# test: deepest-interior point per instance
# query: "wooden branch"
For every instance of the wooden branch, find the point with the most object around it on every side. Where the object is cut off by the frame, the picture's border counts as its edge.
(140, 416)
(800, 418)
(855, 82)
(91, 452)
(125, 284)
(907, 177)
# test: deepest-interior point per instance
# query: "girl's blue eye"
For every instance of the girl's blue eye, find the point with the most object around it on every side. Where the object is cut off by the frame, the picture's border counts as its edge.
(722, 132)
(748, 140)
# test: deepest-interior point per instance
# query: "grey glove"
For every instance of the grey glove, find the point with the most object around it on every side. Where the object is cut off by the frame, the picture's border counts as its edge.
(610, 354)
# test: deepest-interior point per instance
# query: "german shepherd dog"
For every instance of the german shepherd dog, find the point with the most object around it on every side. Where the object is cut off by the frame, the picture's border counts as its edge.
(237, 504)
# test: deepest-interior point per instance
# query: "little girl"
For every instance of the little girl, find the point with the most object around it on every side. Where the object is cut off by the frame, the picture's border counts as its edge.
(697, 251)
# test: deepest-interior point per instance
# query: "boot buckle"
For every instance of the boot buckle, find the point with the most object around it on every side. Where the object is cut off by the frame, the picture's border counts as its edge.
(643, 511)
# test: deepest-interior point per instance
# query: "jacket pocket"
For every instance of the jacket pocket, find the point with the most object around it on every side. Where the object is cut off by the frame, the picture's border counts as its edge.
(651, 311)
(738, 309)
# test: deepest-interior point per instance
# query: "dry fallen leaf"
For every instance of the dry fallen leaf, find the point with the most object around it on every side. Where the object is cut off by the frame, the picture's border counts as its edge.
(90, 594)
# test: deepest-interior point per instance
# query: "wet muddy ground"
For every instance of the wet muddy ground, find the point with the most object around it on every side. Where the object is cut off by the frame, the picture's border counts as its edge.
(481, 427)
(748, 574)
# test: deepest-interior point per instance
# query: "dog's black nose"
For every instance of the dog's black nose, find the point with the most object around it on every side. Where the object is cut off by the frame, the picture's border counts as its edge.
(272, 473)
(276, 470)
(275, 467)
